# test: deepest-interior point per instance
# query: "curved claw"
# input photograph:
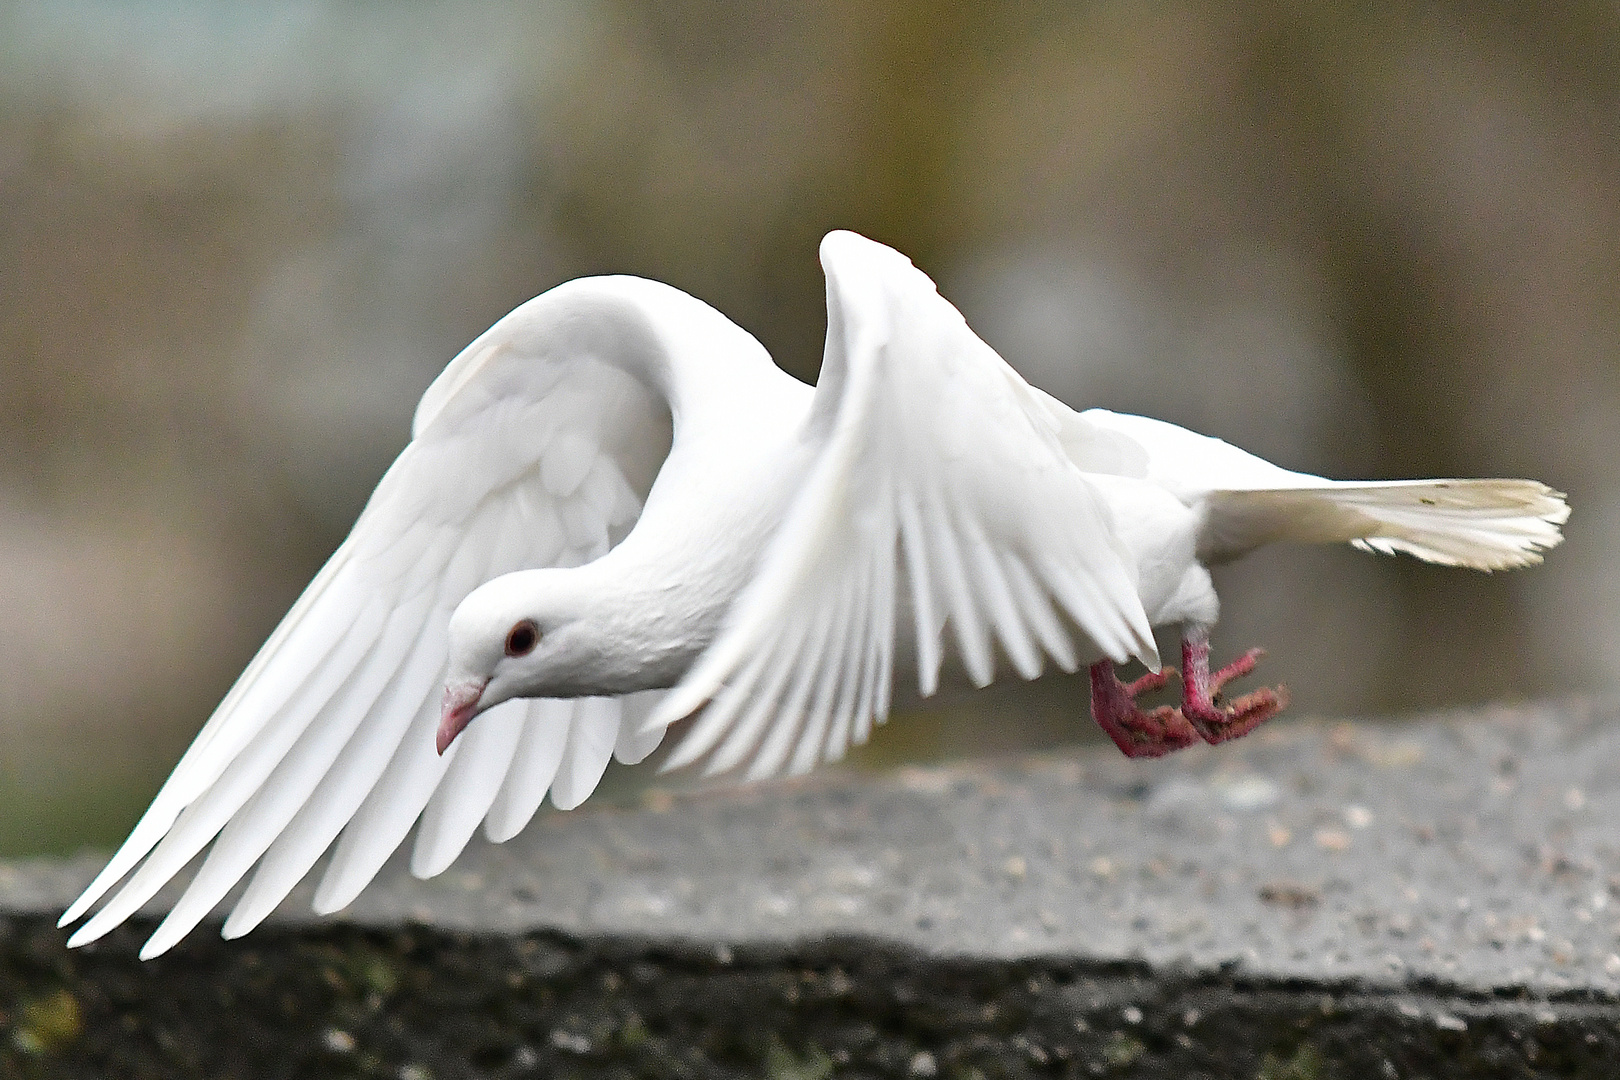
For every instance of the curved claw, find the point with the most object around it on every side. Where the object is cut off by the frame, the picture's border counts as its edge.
(1138, 734)
(1241, 716)
(1153, 680)
(1243, 665)
(1215, 722)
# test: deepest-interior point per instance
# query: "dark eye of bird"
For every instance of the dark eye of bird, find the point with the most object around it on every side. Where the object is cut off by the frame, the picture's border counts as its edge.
(522, 638)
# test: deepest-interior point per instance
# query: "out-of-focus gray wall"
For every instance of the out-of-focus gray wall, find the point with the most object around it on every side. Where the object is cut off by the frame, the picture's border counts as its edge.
(237, 241)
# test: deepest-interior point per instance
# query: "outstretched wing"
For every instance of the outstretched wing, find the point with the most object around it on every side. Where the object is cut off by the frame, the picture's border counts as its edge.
(535, 447)
(941, 484)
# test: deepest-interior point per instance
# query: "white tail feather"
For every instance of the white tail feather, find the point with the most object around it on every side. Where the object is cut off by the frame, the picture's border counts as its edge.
(1481, 524)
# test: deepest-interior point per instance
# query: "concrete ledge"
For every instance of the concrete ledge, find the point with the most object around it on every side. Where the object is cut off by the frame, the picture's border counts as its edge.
(1435, 898)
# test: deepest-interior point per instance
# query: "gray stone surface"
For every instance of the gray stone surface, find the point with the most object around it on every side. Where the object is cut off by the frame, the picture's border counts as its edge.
(1478, 850)
(1436, 898)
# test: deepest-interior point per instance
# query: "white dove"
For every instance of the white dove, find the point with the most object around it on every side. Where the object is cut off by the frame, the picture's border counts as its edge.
(616, 492)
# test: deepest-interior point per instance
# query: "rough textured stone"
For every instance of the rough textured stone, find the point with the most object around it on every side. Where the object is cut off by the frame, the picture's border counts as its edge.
(1431, 898)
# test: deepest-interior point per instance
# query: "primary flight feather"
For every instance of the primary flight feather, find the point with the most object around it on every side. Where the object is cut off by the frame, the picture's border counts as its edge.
(616, 512)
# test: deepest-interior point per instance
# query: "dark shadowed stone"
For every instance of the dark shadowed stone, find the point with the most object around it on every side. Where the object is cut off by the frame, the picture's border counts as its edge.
(1433, 898)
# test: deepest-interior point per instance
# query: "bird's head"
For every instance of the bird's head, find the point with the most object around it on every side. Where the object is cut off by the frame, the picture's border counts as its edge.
(509, 638)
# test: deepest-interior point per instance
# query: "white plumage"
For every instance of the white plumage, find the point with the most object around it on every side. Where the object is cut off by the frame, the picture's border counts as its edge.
(689, 530)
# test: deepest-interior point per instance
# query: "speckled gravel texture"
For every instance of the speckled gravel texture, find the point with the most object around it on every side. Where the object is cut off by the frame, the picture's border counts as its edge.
(1433, 898)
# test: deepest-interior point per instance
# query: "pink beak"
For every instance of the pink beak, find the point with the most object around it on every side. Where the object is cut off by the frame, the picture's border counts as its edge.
(460, 706)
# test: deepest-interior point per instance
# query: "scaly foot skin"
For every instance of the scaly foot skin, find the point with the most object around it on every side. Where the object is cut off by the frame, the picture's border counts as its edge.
(1138, 734)
(1215, 722)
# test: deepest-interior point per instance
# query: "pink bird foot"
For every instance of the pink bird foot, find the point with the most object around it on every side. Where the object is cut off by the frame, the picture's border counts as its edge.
(1201, 707)
(1137, 733)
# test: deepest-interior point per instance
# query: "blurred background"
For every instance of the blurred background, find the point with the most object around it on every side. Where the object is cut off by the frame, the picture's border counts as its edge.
(237, 241)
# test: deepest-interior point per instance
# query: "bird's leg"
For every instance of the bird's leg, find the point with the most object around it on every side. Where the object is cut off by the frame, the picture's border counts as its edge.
(1200, 690)
(1137, 733)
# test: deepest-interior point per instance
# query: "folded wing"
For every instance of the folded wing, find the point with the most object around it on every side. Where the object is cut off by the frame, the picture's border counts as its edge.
(941, 485)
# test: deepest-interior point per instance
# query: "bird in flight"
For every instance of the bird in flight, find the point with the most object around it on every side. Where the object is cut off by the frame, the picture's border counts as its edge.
(615, 513)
